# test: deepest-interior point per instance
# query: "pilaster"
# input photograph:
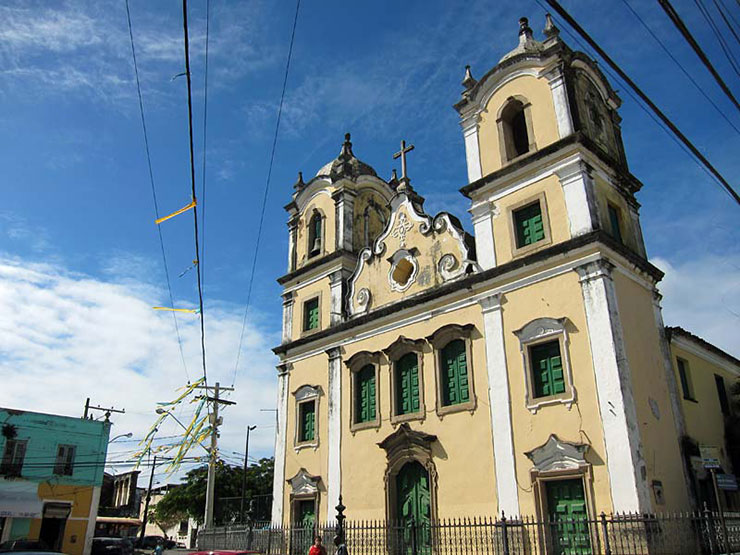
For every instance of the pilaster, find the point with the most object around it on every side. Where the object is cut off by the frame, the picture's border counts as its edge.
(578, 190)
(634, 218)
(625, 463)
(344, 203)
(499, 403)
(292, 239)
(288, 303)
(336, 287)
(472, 148)
(281, 430)
(334, 479)
(482, 214)
(556, 79)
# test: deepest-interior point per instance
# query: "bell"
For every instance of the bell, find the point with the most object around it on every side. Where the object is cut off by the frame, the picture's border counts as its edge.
(316, 244)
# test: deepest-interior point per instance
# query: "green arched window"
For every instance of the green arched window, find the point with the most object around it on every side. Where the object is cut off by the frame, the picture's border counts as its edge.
(455, 386)
(365, 394)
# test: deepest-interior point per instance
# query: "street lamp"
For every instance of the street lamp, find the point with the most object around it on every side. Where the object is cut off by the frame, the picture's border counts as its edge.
(128, 435)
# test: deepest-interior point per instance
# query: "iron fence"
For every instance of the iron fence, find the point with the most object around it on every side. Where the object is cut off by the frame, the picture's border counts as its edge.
(617, 534)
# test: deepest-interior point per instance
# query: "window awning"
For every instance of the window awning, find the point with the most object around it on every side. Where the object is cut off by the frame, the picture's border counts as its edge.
(19, 499)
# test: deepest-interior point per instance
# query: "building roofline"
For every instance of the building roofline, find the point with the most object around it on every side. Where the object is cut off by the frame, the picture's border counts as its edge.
(678, 331)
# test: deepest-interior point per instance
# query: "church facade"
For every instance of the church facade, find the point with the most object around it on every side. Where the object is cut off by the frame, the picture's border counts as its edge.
(425, 372)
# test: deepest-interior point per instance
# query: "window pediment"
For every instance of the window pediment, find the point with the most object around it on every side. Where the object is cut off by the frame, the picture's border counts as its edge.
(304, 483)
(306, 392)
(540, 328)
(556, 454)
(403, 345)
(451, 331)
(405, 439)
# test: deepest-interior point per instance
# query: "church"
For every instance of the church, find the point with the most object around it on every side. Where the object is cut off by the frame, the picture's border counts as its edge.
(428, 373)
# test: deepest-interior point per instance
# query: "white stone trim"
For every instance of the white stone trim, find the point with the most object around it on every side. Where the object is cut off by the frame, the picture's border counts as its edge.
(485, 244)
(627, 470)
(334, 479)
(472, 151)
(559, 91)
(499, 402)
(278, 482)
(344, 207)
(311, 281)
(578, 187)
(91, 519)
(288, 304)
(408, 317)
(335, 305)
(698, 350)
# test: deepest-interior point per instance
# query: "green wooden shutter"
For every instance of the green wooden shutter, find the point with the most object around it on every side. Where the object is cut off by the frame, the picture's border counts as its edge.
(547, 369)
(308, 421)
(455, 384)
(365, 396)
(529, 225)
(614, 223)
(311, 315)
(407, 384)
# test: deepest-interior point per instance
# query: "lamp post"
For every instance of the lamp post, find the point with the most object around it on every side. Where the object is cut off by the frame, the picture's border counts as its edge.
(244, 474)
(128, 435)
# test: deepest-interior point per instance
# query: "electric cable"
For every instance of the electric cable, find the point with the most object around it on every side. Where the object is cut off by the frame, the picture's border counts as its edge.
(267, 188)
(676, 131)
(154, 191)
(720, 7)
(205, 134)
(192, 185)
(680, 66)
(681, 26)
(715, 29)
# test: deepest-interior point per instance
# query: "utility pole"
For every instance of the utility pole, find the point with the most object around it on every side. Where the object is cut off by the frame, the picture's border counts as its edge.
(215, 422)
(148, 498)
(89, 407)
(244, 474)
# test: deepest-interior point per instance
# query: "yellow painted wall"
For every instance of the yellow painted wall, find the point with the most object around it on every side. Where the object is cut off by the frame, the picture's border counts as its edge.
(463, 454)
(544, 122)
(76, 526)
(660, 442)
(303, 294)
(605, 195)
(374, 203)
(703, 416)
(556, 211)
(557, 297)
(313, 372)
(325, 204)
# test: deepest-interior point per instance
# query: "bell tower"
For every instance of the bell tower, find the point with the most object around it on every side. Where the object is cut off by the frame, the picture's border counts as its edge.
(546, 113)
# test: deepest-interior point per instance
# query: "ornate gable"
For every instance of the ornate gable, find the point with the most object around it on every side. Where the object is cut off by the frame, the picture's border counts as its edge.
(415, 252)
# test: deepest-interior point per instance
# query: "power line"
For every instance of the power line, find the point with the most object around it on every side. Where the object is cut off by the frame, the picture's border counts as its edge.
(715, 29)
(205, 129)
(680, 66)
(574, 24)
(720, 8)
(192, 185)
(650, 114)
(267, 188)
(154, 191)
(681, 26)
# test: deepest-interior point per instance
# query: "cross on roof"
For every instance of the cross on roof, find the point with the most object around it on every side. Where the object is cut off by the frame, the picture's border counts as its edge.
(402, 155)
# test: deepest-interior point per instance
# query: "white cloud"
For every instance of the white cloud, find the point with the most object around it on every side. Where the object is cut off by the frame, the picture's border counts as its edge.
(67, 336)
(703, 296)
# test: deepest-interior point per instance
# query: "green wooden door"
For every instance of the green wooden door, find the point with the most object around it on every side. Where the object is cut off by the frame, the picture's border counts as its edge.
(303, 529)
(566, 506)
(414, 507)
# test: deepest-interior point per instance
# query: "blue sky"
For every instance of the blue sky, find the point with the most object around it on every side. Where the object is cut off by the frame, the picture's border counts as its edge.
(79, 255)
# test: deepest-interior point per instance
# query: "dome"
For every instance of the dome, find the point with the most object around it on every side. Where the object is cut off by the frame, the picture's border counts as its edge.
(346, 164)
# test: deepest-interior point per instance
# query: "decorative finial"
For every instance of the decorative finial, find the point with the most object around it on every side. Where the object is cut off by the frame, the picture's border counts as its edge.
(298, 185)
(393, 181)
(525, 31)
(346, 147)
(551, 31)
(468, 81)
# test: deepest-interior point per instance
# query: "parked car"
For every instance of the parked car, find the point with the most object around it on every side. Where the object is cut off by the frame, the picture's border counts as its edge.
(150, 542)
(23, 544)
(112, 546)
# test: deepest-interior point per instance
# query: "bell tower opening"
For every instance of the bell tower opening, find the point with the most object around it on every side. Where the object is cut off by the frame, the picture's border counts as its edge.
(514, 123)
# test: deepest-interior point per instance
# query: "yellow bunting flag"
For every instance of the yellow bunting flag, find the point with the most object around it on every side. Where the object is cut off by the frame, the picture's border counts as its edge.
(188, 310)
(176, 213)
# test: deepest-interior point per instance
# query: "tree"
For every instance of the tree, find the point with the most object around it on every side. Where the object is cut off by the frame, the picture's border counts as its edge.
(188, 499)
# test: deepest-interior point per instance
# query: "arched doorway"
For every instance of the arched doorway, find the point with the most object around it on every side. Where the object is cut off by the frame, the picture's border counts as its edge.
(413, 508)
